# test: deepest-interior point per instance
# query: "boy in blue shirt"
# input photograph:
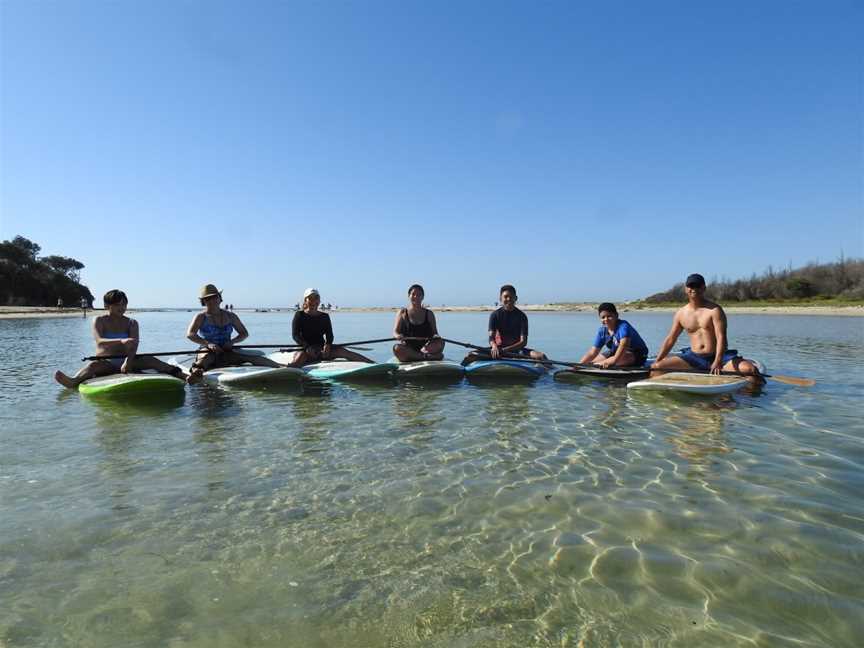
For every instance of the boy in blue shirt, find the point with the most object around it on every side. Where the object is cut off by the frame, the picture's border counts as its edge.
(617, 343)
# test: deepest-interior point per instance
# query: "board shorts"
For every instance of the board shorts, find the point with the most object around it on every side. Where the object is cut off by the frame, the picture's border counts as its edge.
(704, 360)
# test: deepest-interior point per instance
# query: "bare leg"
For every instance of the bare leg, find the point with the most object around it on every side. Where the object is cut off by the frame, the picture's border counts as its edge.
(670, 363)
(746, 368)
(342, 352)
(405, 353)
(538, 355)
(91, 370)
(233, 359)
(202, 363)
(434, 349)
(149, 362)
(303, 358)
(627, 359)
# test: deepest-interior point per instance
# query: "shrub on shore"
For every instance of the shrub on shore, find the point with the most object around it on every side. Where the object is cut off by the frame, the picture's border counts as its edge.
(842, 281)
(26, 279)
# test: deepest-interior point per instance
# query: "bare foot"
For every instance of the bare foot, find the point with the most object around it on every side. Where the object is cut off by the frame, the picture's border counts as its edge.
(65, 380)
(195, 375)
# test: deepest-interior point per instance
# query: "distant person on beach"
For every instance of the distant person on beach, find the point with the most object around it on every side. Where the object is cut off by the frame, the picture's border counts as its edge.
(213, 330)
(417, 322)
(313, 332)
(617, 343)
(116, 335)
(59, 302)
(84, 306)
(508, 331)
(705, 323)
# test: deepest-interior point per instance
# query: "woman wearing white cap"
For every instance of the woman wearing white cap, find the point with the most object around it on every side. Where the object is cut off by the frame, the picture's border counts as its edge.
(312, 330)
(213, 329)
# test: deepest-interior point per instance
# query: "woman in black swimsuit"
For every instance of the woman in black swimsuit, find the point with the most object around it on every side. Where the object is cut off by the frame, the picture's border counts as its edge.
(313, 331)
(417, 322)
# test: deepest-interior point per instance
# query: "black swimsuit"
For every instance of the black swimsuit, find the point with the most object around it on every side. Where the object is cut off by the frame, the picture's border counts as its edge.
(407, 328)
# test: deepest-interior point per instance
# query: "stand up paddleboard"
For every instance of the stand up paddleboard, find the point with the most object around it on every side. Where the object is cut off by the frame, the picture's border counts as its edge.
(349, 370)
(133, 384)
(505, 369)
(428, 369)
(612, 373)
(690, 383)
(247, 375)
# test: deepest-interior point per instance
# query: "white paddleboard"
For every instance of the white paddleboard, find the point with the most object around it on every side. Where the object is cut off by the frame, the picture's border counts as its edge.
(247, 374)
(440, 369)
(690, 383)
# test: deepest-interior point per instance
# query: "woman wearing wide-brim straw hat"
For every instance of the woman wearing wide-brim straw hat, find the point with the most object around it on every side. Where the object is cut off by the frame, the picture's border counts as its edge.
(313, 331)
(214, 330)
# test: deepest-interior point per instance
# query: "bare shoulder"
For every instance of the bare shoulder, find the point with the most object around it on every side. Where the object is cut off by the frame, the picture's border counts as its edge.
(716, 309)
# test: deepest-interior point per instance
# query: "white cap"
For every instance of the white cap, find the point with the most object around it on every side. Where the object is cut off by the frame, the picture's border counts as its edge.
(311, 291)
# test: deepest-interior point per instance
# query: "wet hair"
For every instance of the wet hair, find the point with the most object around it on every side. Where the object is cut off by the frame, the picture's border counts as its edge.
(418, 287)
(114, 297)
(608, 307)
(507, 287)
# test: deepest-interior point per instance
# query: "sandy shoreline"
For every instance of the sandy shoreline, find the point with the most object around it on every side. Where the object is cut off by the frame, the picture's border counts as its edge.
(30, 312)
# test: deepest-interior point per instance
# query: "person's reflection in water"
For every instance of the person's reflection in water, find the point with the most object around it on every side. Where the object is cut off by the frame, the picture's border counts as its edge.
(311, 408)
(509, 410)
(700, 436)
(121, 426)
(417, 412)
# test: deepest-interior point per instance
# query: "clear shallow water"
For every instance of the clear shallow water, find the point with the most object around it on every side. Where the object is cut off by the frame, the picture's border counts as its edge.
(460, 515)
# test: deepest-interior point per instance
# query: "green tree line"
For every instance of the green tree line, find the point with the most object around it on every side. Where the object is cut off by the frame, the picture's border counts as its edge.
(26, 279)
(843, 279)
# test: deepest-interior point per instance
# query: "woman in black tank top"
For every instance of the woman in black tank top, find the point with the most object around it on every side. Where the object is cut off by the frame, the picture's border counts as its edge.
(417, 322)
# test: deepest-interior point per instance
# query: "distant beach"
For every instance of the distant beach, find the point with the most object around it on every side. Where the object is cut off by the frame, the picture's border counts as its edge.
(28, 312)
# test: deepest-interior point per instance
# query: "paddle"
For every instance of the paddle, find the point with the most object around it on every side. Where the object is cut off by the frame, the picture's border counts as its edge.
(788, 380)
(351, 344)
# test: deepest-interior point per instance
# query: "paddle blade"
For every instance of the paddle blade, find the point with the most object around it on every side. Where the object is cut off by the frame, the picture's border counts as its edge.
(792, 380)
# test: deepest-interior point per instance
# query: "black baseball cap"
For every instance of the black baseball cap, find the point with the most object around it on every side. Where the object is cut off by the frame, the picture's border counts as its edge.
(694, 280)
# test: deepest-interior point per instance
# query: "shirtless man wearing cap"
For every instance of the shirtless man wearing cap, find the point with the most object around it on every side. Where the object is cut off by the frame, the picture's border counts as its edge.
(213, 329)
(312, 330)
(705, 322)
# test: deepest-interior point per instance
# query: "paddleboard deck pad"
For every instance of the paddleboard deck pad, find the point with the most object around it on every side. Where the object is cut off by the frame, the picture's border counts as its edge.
(504, 369)
(690, 383)
(133, 384)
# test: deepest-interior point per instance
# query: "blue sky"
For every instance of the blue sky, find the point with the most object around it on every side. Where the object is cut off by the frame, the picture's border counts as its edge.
(582, 151)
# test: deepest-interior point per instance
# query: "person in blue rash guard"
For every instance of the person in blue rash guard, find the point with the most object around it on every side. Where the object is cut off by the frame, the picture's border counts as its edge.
(617, 343)
(508, 332)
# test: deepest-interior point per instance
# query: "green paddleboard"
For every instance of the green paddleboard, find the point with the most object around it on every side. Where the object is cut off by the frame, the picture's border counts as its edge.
(131, 384)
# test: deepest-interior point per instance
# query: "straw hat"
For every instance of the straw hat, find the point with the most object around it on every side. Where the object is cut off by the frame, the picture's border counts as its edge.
(209, 291)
